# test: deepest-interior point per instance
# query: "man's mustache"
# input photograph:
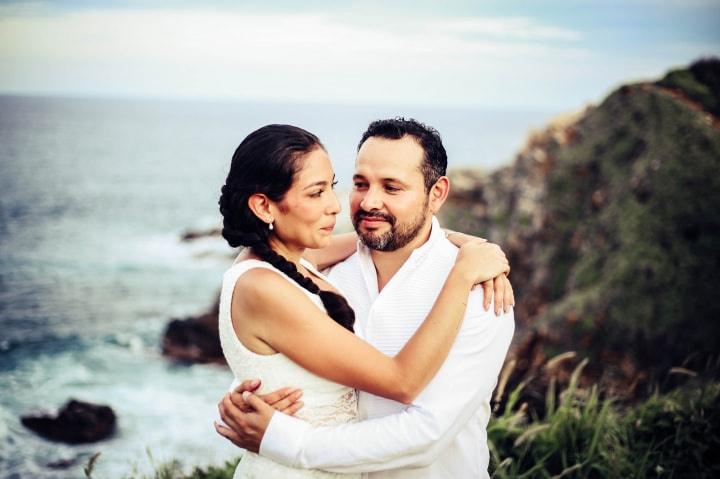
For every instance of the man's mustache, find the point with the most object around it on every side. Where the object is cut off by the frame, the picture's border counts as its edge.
(360, 214)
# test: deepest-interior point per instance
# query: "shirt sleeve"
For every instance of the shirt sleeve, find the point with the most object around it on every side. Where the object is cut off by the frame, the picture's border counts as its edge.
(417, 435)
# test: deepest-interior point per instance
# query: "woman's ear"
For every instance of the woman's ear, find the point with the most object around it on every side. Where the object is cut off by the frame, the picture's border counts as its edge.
(260, 205)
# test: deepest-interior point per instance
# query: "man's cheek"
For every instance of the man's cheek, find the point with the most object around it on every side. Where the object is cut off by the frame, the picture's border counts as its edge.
(354, 205)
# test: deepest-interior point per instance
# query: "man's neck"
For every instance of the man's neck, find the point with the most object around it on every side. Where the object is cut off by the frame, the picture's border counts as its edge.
(387, 263)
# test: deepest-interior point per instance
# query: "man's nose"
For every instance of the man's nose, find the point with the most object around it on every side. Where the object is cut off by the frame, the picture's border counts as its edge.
(372, 200)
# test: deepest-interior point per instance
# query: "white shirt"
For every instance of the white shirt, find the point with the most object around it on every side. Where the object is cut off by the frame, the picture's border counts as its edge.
(443, 433)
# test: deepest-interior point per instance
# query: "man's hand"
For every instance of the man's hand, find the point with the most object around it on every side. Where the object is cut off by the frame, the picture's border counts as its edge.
(247, 415)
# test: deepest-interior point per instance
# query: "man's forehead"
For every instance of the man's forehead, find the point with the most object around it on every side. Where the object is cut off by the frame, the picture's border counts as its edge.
(404, 154)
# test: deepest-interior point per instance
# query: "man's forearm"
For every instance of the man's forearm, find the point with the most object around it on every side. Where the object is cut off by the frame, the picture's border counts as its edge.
(406, 439)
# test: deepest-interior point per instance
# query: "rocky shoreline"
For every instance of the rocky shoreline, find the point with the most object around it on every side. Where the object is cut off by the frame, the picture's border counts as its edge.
(194, 339)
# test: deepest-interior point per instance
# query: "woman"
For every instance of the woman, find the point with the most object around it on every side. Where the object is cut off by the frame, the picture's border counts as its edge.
(283, 321)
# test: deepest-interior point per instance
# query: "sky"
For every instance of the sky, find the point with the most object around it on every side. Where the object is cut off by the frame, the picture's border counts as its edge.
(484, 53)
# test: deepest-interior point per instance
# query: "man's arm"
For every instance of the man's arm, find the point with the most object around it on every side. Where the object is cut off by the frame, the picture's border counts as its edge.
(340, 247)
(416, 436)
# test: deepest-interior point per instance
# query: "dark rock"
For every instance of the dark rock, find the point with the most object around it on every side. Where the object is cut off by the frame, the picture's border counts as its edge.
(193, 235)
(62, 463)
(194, 339)
(77, 422)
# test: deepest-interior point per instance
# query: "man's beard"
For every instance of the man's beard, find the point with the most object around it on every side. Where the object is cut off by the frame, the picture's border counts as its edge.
(399, 234)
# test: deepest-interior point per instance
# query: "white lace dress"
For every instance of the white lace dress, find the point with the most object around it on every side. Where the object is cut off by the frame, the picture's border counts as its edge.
(326, 403)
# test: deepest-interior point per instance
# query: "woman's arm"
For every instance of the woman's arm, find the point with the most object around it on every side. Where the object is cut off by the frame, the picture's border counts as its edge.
(340, 247)
(295, 327)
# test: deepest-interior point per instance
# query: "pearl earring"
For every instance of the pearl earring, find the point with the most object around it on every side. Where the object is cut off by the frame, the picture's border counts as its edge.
(270, 225)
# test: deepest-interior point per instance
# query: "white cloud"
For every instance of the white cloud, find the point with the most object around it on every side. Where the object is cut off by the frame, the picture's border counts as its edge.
(508, 28)
(306, 57)
(210, 35)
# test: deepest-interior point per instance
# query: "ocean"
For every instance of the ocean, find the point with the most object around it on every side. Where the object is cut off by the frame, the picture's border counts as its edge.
(95, 195)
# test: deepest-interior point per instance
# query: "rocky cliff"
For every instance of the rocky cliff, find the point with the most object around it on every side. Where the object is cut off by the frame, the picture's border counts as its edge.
(611, 220)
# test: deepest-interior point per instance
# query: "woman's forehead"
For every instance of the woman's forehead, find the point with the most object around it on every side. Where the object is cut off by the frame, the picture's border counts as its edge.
(315, 166)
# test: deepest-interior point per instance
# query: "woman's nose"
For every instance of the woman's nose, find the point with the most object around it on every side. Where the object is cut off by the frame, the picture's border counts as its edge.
(334, 207)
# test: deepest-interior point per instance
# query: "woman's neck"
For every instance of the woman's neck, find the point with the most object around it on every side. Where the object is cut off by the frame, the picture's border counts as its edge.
(290, 253)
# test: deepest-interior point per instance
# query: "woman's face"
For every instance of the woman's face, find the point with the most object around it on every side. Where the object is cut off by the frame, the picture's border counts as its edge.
(305, 218)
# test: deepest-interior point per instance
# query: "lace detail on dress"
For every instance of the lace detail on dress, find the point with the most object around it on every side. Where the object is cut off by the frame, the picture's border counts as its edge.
(343, 410)
(326, 403)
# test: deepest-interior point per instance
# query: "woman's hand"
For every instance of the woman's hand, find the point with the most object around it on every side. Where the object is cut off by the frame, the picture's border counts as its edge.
(481, 261)
(485, 263)
(501, 290)
(498, 287)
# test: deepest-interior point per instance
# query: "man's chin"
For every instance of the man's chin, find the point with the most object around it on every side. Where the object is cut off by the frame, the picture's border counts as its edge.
(373, 240)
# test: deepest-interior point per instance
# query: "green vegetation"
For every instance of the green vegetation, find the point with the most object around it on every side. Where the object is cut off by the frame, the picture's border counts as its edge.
(700, 82)
(173, 470)
(642, 262)
(583, 436)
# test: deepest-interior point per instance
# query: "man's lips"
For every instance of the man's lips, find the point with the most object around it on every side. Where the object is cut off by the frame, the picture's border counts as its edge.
(372, 220)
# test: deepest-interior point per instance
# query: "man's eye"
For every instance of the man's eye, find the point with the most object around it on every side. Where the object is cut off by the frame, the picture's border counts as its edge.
(359, 185)
(391, 189)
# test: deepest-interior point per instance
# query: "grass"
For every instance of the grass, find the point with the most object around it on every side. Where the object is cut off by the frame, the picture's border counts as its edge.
(577, 437)
(583, 435)
(172, 470)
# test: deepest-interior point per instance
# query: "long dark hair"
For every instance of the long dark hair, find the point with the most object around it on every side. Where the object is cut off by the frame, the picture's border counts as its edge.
(266, 162)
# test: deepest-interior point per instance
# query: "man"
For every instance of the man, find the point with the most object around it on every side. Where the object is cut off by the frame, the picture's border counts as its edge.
(391, 282)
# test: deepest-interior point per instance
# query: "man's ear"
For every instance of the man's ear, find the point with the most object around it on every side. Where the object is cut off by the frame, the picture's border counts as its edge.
(439, 193)
(260, 205)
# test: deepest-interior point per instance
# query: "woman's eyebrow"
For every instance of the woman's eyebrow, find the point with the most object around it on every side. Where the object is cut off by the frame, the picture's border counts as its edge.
(317, 183)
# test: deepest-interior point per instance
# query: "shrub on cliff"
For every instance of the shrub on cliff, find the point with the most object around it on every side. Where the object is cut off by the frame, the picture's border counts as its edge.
(700, 82)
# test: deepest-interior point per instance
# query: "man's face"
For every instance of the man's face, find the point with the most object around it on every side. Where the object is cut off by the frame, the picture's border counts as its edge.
(388, 202)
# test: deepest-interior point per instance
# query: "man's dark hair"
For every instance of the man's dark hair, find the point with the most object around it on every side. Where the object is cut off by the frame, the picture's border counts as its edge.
(434, 163)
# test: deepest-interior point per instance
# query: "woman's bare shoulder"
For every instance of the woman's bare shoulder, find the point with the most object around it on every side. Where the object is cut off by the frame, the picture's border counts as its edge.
(266, 291)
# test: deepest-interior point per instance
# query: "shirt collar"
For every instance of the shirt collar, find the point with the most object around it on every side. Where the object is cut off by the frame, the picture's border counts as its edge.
(368, 267)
